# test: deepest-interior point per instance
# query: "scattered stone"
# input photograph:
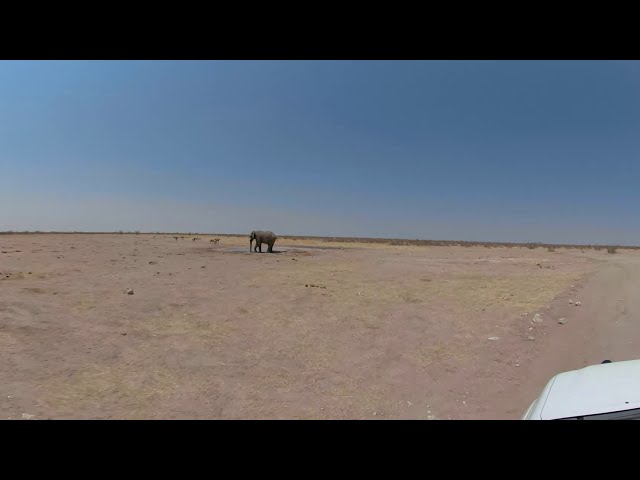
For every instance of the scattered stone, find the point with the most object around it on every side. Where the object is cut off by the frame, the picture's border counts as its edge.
(494, 338)
(537, 318)
(517, 364)
(129, 291)
(570, 302)
(203, 266)
(152, 262)
(578, 304)
(29, 273)
(123, 333)
(530, 338)
(562, 321)
(294, 259)
(27, 416)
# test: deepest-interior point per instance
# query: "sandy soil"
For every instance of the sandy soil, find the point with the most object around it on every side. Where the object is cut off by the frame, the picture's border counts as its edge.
(318, 330)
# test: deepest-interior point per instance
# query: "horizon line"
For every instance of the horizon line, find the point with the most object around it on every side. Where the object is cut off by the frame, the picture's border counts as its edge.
(432, 242)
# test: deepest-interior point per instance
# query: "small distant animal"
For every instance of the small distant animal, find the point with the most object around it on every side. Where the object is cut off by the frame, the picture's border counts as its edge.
(214, 240)
(176, 238)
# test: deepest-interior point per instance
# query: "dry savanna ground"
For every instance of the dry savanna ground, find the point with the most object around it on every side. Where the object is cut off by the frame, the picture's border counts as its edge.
(319, 330)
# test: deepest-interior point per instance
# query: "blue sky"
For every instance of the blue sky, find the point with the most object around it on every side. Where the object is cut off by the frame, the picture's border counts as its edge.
(479, 150)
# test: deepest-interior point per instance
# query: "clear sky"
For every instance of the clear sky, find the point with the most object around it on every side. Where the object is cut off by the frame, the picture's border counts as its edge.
(480, 150)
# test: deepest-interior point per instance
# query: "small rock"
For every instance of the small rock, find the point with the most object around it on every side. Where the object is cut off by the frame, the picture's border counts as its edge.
(530, 338)
(464, 402)
(570, 302)
(578, 304)
(494, 338)
(27, 416)
(562, 321)
(375, 413)
(307, 285)
(203, 266)
(129, 291)
(517, 364)
(537, 318)
(123, 333)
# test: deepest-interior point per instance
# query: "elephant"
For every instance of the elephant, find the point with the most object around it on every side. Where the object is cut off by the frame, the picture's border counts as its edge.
(262, 237)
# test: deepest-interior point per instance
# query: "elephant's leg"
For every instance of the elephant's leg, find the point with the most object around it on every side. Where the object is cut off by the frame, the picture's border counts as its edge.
(260, 247)
(270, 249)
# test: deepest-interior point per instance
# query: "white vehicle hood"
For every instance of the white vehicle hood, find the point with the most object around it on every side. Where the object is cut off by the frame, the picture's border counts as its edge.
(592, 390)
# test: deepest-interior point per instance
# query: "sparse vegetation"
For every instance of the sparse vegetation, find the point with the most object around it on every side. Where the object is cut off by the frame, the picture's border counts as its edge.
(551, 249)
(388, 241)
(611, 249)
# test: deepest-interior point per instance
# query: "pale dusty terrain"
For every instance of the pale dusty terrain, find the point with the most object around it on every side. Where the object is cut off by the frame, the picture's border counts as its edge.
(321, 330)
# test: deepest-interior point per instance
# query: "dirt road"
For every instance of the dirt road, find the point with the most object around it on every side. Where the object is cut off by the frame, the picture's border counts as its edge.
(605, 326)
